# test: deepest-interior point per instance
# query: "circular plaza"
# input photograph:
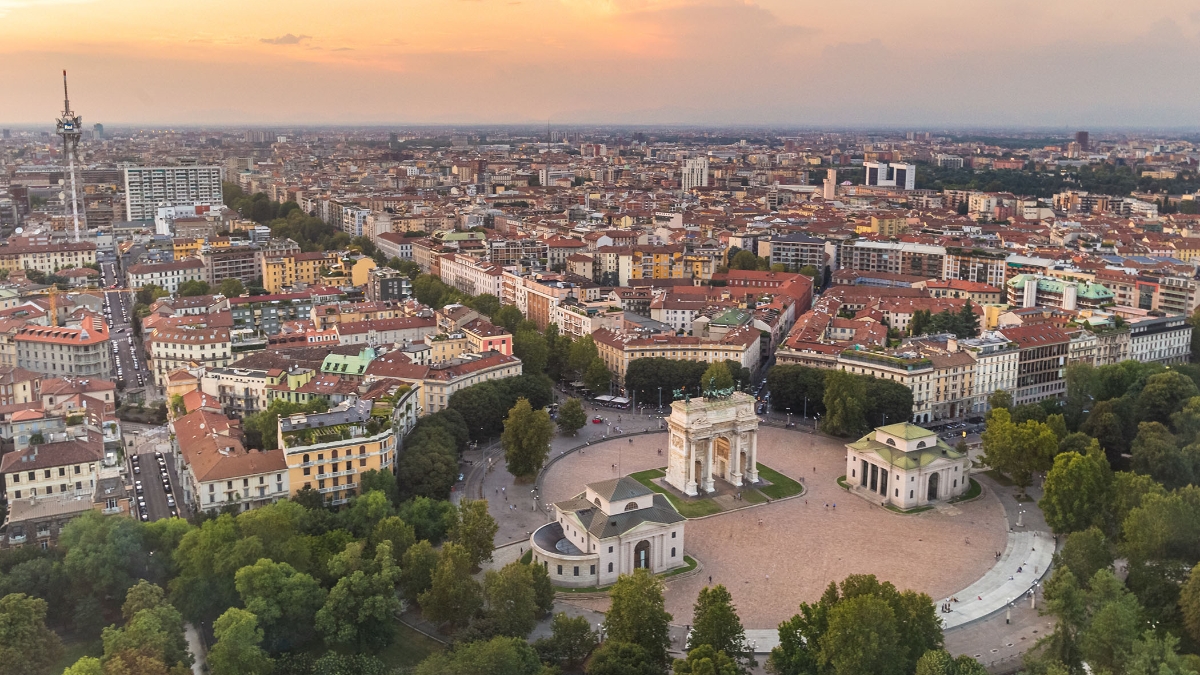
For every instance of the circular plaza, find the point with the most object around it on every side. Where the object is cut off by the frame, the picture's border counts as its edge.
(773, 556)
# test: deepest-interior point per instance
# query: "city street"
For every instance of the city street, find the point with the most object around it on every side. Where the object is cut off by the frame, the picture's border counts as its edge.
(129, 363)
(145, 445)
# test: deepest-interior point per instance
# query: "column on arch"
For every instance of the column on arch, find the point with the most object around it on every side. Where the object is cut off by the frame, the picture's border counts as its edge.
(708, 465)
(751, 471)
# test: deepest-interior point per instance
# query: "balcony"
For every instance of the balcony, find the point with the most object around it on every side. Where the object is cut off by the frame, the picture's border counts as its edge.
(112, 511)
(335, 488)
(15, 539)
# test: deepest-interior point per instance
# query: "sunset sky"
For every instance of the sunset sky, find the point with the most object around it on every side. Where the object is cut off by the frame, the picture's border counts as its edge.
(1044, 63)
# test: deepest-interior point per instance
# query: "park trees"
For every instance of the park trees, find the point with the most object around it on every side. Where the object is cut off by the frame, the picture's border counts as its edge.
(1077, 490)
(715, 623)
(622, 658)
(1085, 552)
(1018, 450)
(511, 602)
(453, 597)
(571, 640)
(152, 637)
(531, 348)
(419, 562)
(845, 396)
(231, 288)
(1164, 395)
(509, 317)
(1157, 454)
(475, 530)
(645, 378)
(866, 635)
(597, 377)
(637, 615)
(939, 662)
(428, 466)
(237, 650)
(571, 416)
(704, 660)
(283, 601)
(358, 610)
(526, 438)
(498, 656)
(397, 533)
(27, 647)
(717, 376)
(797, 388)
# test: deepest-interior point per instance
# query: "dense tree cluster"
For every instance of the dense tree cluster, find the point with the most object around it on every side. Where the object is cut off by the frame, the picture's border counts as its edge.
(1101, 178)
(486, 405)
(645, 377)
(963, 323)
(848, 404)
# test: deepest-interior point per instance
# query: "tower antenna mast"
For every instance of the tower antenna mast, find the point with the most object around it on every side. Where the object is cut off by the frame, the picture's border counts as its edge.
(69, 128)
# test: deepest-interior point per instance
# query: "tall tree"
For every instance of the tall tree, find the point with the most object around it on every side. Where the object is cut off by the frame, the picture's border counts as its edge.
(526, 439)
(715, 623)
(571, 416)
(283, 601)
(596, 377)
(359, 610)
(637, 615)
(453, 597)
(508, 316)
(417, 570)
(27, 647)
(861, 638)
(1085, 552)
(583, 352)
(845, 395)
(237, 650)
(1156, 453)
(1077, 491)
(571, 640)
(1163, 395)
(511, 604)
(530, 347)
(716, 377)
(704, 660)
(622, 658)
(475, 530)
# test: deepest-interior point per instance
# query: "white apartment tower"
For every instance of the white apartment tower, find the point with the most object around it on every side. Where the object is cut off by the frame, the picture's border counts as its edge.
(882, 174)
(695, 173)
(149, 187)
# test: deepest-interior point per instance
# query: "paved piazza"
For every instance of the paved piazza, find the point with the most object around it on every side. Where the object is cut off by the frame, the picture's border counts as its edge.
(774, 556)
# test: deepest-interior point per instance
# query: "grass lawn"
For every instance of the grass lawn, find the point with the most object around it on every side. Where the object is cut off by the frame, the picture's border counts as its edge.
(409, 648)
(73, 651)
(753, 497)
(527, 558)
(843, 483)
(973, 491)
(909, 512)
(687, 509)
(781, 486)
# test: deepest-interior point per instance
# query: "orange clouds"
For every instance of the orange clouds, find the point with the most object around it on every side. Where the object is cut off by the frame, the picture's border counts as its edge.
(728, 61)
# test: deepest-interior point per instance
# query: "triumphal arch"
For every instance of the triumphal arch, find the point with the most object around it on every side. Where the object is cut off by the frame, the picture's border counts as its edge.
(712, 437)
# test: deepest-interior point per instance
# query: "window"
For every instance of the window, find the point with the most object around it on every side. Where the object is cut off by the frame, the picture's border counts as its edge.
(672, 551)
(76, 469)
(306, 459)
(910, 494)
(577, 570)
(673, 534)
(560, 570)
(18, 493)
(308, 471)
(610, 567)
(610, 551)
(211, 488)
(593, 570)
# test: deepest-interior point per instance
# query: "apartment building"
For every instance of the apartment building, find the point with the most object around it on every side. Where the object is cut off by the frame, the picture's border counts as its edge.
(795, 251)
(283, 272)
(897, 258)
(170, 349)
(980, 265)
(394, 245)
(218, 471)
(386, 284)
(618, 349)
(69, 467)
(243, 263)
(471, 276)
(18, 385)
(48, 257)
(981, 294)
(149, 187)
(374, 332)
(997, 363)
(1029, 290)
(1165, 339)
(329, 451)
(265, 313)
(167, 276)
(59, 351)
(240, 391)
(1042, 362)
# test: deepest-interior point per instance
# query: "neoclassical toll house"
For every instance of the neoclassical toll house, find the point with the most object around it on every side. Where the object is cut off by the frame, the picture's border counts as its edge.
(905, 466)
(611, 528)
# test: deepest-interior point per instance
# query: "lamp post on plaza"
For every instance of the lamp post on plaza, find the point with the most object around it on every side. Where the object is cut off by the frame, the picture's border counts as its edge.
(789, 416)
(660, 398)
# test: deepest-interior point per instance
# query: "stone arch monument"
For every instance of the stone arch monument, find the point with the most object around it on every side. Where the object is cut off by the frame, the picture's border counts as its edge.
(713, 437)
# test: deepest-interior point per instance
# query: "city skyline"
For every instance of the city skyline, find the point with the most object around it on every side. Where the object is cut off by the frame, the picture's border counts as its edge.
(655, 62)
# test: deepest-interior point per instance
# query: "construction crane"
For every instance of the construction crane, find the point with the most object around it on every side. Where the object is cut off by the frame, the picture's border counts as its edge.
(52, 294)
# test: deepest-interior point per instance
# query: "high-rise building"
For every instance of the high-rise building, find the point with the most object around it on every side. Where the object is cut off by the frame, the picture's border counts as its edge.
(882, 174)
(6, 134)
(695, 173)
(149, 187)
(1081, 137)
(98, 130)
(829, 189)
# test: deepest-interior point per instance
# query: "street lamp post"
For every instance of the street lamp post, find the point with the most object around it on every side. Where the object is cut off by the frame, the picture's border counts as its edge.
(660, 398)
(789, 417)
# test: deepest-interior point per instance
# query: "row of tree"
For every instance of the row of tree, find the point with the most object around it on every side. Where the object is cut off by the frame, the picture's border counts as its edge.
(647, 378)
(848, 404)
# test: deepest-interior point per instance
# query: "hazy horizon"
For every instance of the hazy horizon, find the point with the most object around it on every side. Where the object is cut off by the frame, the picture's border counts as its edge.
(1022, 66)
